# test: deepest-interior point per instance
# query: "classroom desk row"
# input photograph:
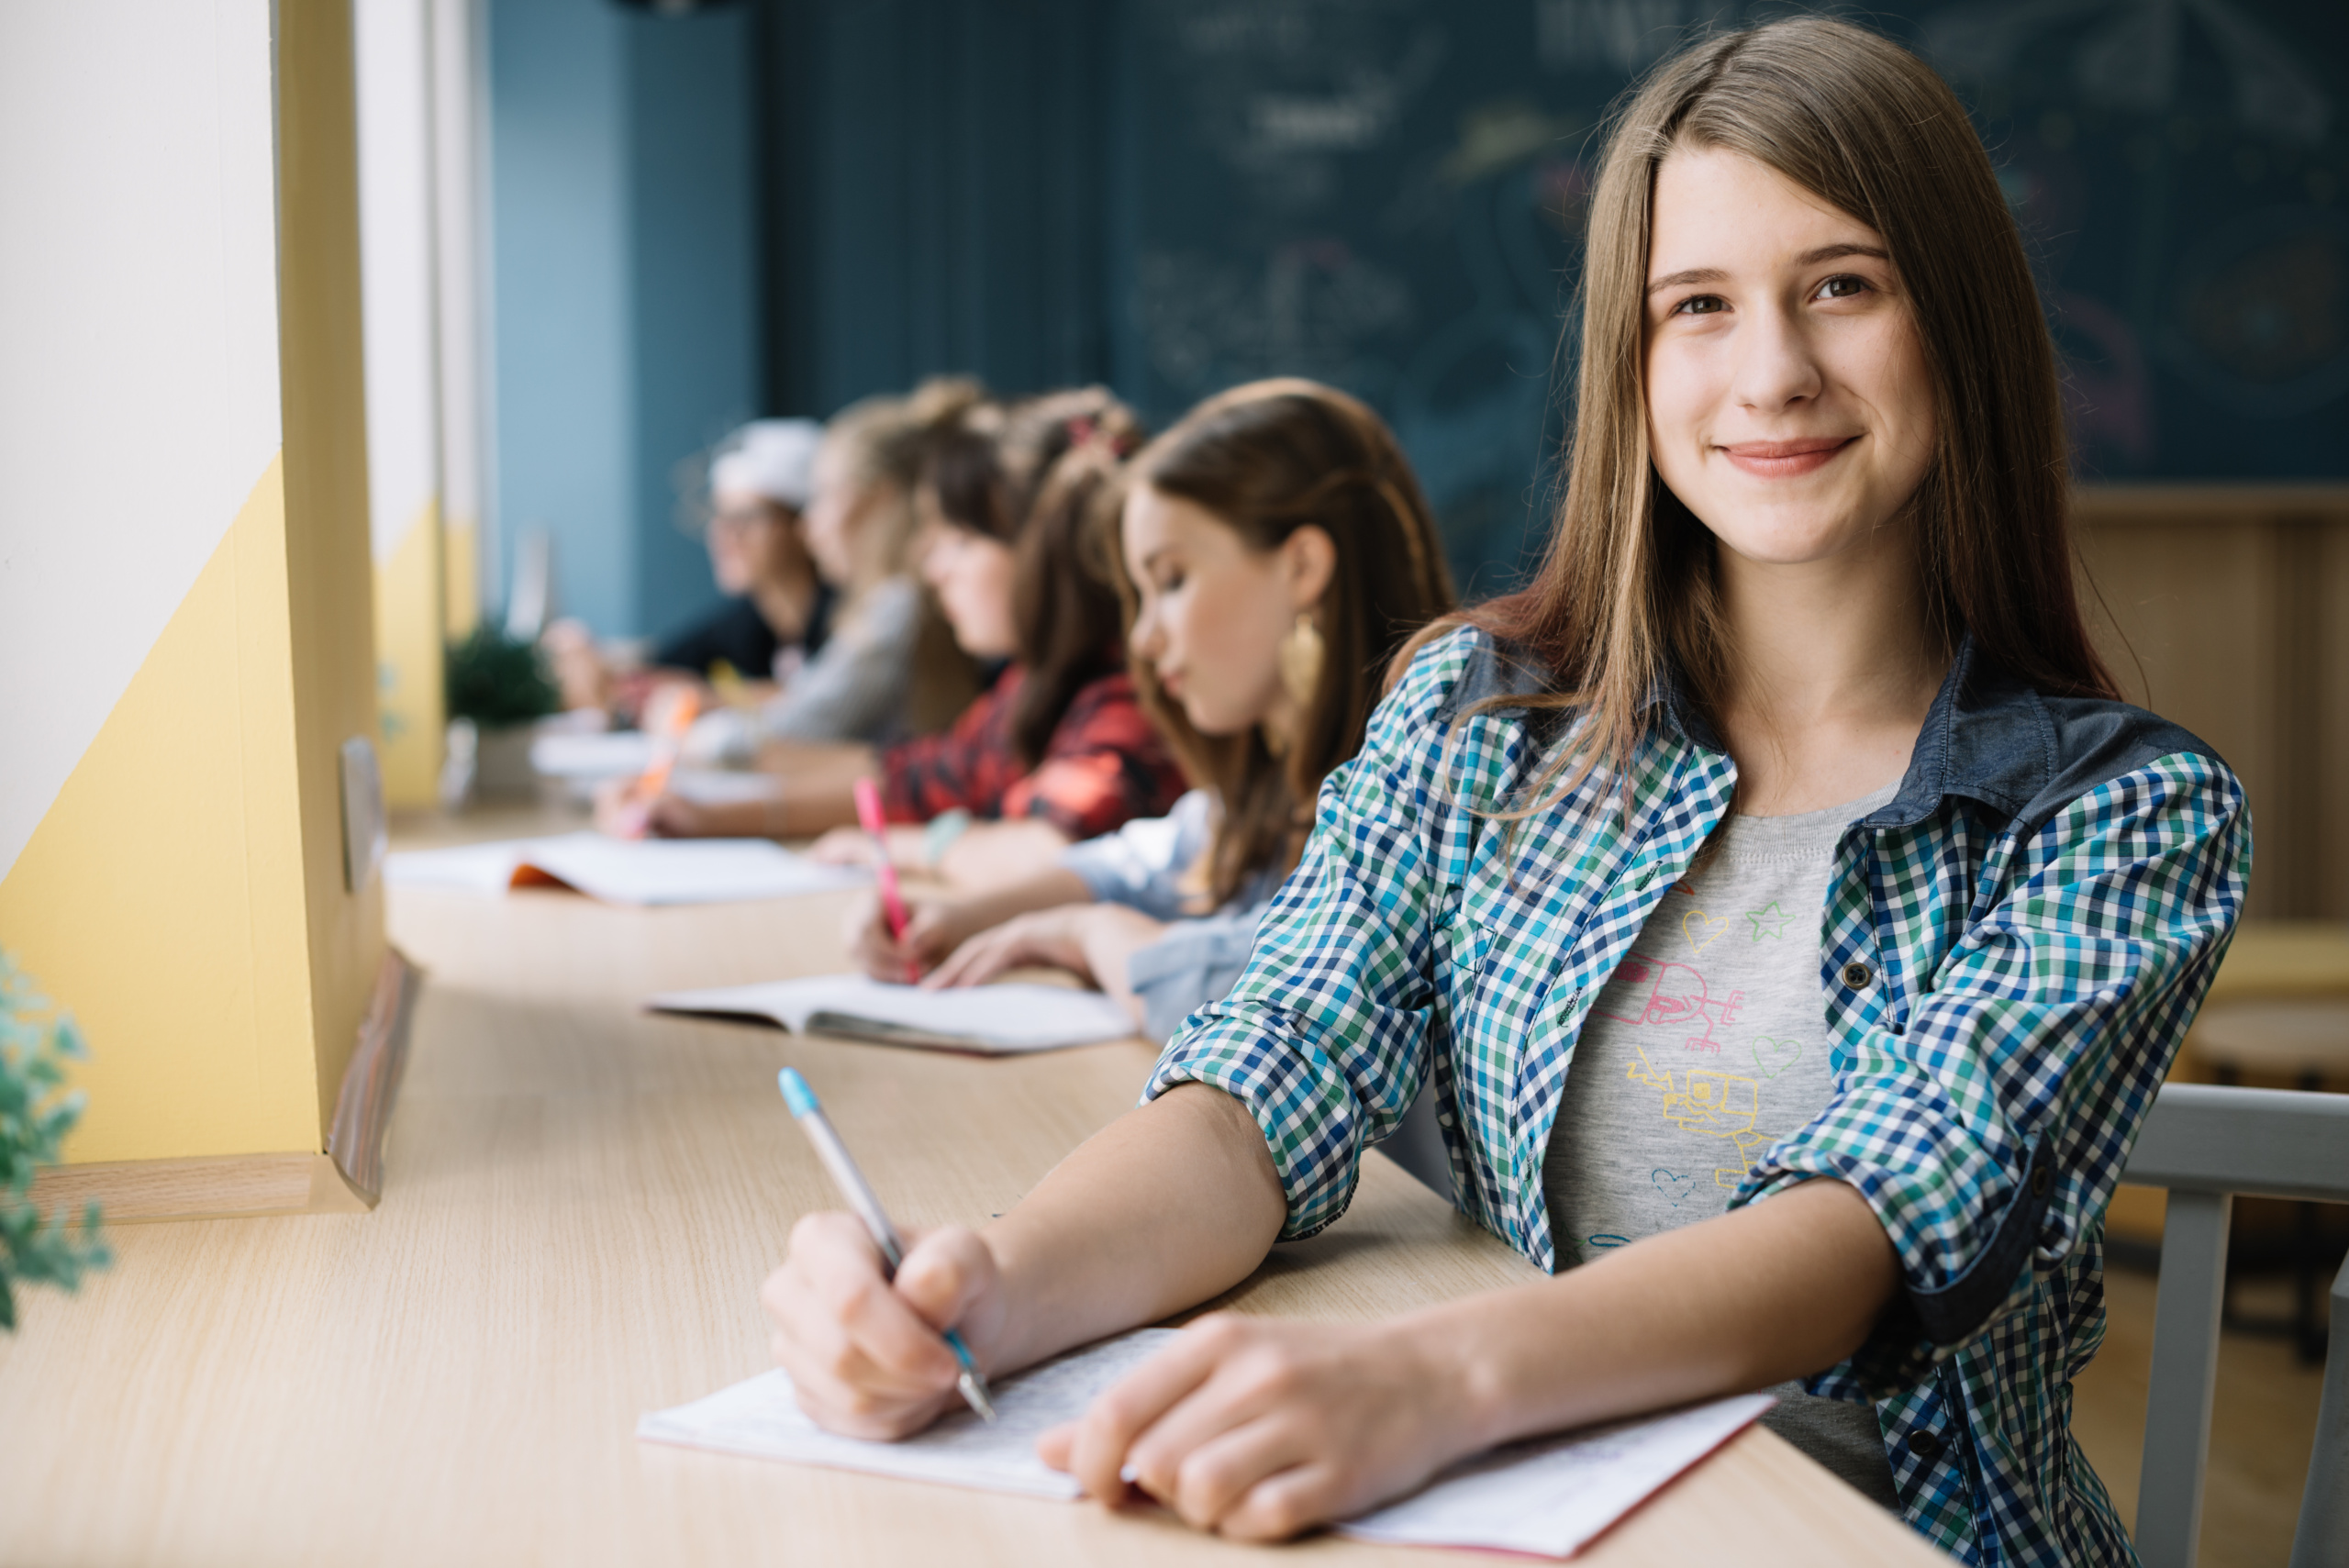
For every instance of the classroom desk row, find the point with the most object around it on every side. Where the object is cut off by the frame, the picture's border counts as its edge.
(580, 1203)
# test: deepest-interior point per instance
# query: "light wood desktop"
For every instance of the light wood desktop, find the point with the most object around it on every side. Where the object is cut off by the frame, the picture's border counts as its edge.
(580, 1203)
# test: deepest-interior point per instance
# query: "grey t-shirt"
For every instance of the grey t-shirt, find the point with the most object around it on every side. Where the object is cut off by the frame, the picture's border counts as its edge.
(1708, 1045)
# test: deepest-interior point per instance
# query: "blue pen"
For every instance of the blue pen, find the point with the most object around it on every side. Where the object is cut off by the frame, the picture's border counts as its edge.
(859, 1193)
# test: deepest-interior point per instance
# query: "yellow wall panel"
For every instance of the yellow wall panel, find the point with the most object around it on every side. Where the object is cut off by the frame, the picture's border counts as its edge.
(409, 624)
(461, 549)
(330, 569)
(161, 897)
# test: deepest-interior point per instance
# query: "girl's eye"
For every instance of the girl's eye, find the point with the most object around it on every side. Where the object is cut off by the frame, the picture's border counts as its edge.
(1701, 305)
(1843, 285)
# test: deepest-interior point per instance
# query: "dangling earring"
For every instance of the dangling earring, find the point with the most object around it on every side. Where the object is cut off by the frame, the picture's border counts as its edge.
(1301, 653)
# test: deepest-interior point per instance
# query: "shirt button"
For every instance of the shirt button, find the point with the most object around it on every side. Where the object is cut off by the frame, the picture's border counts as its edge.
(1857, 975)
(1925, 1445)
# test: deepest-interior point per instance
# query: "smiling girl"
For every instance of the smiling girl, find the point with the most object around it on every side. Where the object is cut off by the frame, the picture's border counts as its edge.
(1277, 551)
(1793, 925)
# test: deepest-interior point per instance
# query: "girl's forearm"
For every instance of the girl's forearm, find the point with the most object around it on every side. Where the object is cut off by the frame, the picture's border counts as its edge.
(1046, 890)
(1169, 1205)
(1113, 934)
(992, 853)
(1775, 1290)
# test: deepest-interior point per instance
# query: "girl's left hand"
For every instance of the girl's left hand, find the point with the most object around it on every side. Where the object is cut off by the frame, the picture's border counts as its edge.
(853, 847)
(1053, 938)
(1258, 1429)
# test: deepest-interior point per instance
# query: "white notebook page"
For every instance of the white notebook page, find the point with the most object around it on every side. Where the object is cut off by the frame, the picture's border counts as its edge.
(630, 871)
(1549, 1498)
(1004, 1019)
(760, 1417)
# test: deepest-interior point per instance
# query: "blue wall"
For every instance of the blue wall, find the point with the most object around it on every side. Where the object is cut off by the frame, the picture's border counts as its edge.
(626, 313)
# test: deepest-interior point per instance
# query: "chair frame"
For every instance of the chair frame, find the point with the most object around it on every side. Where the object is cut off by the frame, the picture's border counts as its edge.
(2206, 1143)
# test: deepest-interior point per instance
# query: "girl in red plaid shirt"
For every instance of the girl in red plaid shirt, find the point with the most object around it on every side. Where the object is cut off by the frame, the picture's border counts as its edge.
(1058, 748)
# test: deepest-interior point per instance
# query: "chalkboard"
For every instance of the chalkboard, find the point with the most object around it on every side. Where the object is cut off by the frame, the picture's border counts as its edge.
(1389, 195)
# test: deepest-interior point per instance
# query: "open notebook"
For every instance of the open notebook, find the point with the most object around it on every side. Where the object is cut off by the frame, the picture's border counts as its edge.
(625, 871)
(1008, 1019)
(1551, 1496)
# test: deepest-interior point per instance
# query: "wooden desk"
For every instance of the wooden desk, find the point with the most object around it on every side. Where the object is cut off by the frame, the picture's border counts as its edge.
(580, 1203)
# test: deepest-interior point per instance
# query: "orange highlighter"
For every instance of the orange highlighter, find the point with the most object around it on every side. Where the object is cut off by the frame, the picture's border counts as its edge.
(672, 740)
(892, 903)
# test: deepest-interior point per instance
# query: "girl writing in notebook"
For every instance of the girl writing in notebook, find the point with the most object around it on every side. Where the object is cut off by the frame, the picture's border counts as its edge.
(1794, 926)
(1057, 749)
(1276, 551)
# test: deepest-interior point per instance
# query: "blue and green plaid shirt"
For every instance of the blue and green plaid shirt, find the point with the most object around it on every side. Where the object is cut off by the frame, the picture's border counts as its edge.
(2009, 952)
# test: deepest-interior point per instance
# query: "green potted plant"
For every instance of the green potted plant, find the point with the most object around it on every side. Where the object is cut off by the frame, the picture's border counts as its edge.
(498, 690)
(36, 1113)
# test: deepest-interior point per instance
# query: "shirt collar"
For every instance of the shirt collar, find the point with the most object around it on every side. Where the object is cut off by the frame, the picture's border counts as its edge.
(1986, 737)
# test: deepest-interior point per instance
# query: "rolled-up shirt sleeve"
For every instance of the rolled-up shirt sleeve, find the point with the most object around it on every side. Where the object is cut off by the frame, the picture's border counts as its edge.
(1323, 1037)
(1142, 864)
(1988, 1127)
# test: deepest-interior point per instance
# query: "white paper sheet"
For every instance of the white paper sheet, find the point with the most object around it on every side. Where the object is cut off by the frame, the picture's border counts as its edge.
(621, 870)
(1549, 1497)
(1555, 1495)
(999, 1020)
(723, 786)
(616, 754)
(760, 1419)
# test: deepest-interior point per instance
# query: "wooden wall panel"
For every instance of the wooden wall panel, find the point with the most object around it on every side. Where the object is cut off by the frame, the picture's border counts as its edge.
(2222, 609)
(2332, 901)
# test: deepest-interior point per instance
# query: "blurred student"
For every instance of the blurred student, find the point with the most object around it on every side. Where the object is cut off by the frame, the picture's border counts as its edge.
(1277, 551)
(1058, 748)
(778, 609)
(889, 668)
(1792, 922)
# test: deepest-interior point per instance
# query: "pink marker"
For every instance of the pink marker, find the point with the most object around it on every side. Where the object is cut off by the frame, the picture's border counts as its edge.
(892, 903)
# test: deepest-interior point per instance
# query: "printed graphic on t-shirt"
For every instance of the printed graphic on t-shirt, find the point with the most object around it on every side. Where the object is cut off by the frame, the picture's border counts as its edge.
(1707, 1072)
(1707, 1045)
(1678, 1002)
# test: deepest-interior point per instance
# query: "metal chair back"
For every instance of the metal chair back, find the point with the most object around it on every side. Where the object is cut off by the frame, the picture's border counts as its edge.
(2206, 1143)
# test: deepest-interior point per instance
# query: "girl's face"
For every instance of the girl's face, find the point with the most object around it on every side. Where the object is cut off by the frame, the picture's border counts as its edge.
(1213, 609)
(971, 573)
(752, 542)
(1789, 403)
(835, 518)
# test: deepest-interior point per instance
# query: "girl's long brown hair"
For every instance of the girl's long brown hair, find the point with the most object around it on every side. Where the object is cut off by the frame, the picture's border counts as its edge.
(1268, 459)
(1037, 475)
(1626, 592)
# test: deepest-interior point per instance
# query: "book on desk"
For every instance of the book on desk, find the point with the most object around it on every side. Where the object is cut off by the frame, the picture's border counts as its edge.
(1011, 1018)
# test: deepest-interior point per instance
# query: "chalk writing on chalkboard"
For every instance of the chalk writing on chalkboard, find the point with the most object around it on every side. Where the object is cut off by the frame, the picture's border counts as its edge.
(1389, 195)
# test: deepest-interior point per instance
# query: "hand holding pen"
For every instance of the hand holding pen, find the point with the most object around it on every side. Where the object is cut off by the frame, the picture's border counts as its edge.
(629, 814)
(885, 870)
(849, 1180)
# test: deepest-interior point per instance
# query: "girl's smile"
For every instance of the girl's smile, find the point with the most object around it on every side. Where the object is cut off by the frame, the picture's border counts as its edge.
(1787, 460)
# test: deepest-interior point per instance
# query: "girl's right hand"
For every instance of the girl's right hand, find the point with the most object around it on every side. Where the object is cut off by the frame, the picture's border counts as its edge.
(865, 1354)
(624, 814)
(933, 929)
